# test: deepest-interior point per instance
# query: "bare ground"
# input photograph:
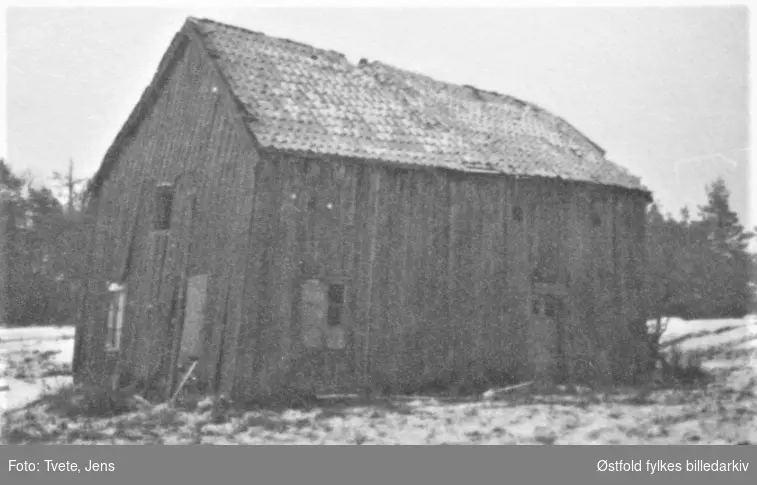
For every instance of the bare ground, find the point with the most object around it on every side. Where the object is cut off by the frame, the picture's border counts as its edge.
(722, 411)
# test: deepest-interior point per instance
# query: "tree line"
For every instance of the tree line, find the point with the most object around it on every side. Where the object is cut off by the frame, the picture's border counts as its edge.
(700, 268)
(42, 248)
(695, 268)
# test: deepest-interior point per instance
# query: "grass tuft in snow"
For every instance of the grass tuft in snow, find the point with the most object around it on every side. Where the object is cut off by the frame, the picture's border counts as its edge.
(91, 402)
(685, 368)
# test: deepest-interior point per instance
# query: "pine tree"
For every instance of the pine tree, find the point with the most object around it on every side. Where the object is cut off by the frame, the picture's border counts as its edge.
(722, 222)
(726, 242)
(71, 186)
(40, 250)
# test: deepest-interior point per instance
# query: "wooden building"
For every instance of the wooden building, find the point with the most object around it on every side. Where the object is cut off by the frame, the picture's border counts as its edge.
(293, 221)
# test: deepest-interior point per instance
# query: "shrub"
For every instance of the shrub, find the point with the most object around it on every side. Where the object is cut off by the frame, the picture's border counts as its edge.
(684, 368)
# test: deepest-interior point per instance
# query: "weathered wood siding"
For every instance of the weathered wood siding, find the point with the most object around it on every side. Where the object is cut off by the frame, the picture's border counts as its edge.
(438, 275)
(188, 137)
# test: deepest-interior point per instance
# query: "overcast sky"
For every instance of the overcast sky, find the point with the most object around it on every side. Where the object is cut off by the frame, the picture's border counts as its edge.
(663, 90)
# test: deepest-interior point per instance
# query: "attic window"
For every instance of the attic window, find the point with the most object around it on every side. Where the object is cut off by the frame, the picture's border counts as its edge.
(163, 205)
(518, 214)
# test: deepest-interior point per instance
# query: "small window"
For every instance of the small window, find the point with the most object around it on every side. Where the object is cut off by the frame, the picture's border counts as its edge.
(596, 220)
(116, 310)
(336, 303)
(163, 206)
(517, 214)
(322, 314)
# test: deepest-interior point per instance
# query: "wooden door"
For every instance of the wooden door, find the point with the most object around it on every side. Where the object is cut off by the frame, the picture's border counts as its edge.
(545, 342)
(194, 317)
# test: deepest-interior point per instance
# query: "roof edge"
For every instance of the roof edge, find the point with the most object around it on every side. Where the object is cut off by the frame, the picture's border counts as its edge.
(177, 48)
(236, 109)
(141, 109)
(640, 190)
(197, 21)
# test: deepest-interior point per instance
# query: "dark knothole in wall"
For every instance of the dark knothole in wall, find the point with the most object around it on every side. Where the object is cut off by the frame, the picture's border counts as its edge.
(517, 214)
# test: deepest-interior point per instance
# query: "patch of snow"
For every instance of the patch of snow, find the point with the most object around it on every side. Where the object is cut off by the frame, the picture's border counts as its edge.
(677, 327)
(21, 393)
(27, 354)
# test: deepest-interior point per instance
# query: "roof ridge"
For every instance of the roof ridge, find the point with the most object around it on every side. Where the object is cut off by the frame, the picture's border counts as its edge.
(423, 94)
(365, 62)
(295, 43)
(473, 89)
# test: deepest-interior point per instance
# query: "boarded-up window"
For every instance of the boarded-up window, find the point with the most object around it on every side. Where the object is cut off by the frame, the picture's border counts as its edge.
(116, 310)
(322, 307)
(313, 311)
(163, 206)
(191, 335)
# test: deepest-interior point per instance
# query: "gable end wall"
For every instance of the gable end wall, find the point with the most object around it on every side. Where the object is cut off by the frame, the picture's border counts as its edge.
(189, 137)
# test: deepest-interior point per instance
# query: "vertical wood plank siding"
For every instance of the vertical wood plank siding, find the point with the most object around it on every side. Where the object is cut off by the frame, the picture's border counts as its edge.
(438, 275)
(187, 137)
(438, 270)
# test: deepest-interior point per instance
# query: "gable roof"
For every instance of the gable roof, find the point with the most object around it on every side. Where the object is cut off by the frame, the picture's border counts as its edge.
(304, 99)
(301, 99)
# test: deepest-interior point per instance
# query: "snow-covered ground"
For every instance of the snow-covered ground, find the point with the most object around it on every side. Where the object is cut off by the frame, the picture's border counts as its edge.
(712, 334)
(33, 360)
(723, 412)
